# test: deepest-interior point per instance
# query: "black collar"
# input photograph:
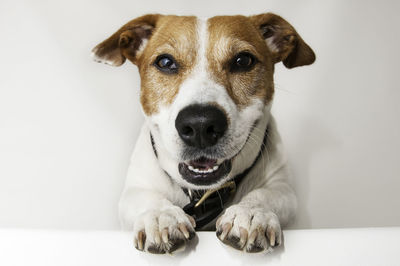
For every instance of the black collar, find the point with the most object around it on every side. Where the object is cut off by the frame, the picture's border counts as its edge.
(205, 205)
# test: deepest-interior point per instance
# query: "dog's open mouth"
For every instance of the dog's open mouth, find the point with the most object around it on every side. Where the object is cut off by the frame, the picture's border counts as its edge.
(204, 171)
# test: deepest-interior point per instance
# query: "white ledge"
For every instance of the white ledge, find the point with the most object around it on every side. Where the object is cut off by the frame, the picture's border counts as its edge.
(358, 246)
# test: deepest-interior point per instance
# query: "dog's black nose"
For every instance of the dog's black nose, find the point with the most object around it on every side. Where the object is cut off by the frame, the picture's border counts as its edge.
(201, 125)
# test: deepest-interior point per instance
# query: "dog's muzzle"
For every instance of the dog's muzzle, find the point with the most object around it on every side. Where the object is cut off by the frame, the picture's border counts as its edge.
(200, 127)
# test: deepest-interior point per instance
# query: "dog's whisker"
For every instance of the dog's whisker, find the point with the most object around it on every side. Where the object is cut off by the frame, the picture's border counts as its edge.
(278, 87)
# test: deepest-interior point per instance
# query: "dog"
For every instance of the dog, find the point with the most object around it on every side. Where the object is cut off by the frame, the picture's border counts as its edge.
(208, 156)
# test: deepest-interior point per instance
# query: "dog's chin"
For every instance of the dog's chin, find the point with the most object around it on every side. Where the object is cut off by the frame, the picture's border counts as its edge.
(205, 171)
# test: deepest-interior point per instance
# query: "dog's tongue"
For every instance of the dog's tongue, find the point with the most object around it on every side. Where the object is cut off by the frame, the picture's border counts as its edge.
(203, 163)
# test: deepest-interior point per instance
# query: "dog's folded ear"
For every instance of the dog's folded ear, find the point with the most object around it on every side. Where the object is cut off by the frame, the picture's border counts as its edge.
(283, 41)
(126, 42)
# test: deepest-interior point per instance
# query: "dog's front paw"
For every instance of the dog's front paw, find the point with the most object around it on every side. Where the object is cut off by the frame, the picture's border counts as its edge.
(253, 230)
(163, 231)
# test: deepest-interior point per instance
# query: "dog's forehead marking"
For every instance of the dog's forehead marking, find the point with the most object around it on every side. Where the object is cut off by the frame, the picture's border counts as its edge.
(202, 33)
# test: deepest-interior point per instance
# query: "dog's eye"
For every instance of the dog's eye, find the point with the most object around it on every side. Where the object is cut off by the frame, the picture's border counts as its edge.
(166, 63)
(243, 62)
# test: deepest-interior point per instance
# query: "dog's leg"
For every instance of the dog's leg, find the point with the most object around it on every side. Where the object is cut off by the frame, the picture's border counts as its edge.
(148, 204)
(266, 202)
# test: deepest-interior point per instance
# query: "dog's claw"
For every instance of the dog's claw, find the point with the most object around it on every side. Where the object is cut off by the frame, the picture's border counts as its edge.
(192, 221)
(252, 237)
(164, 235)
(140, 240)
(225, 230)
(184, 230)
(243, 237)
(271, 236)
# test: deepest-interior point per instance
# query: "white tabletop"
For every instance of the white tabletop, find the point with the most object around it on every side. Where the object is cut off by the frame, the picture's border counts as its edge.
(362, 246)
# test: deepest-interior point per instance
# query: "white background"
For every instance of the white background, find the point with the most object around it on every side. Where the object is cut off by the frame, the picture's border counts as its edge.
(328, 247)
(68, 125)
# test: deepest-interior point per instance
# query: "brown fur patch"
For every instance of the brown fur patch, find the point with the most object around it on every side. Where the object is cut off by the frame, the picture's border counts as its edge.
(228, 36)
(176, 36)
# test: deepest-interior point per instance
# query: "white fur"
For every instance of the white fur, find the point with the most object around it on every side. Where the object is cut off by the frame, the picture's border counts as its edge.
(105, 59)
(140, 50)
(271, 45)
(263, 200)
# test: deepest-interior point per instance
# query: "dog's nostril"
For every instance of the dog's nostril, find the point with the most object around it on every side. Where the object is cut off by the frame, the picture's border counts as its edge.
(211, 132)
(187, 131)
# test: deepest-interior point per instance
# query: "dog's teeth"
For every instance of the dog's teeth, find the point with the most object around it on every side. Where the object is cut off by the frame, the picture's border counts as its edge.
(203, 171)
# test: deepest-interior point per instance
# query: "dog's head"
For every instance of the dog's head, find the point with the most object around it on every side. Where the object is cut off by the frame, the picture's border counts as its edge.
(205, 84)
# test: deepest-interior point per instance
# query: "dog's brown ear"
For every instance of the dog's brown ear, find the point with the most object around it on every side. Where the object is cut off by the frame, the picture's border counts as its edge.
(126, 41)
(283, 41)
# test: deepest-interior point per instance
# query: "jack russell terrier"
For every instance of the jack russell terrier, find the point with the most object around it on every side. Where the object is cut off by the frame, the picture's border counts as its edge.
(208, 156)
